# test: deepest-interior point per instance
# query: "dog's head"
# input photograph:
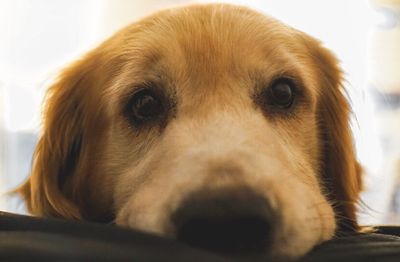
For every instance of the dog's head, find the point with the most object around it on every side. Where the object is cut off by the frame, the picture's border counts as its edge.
(213, 124)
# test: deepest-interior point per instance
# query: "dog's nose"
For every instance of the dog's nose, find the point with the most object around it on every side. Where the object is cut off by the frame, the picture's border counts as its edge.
(234, 221)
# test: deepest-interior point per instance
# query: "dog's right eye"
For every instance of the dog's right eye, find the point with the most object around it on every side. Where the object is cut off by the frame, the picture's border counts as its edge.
(282, 94)
(144, 106)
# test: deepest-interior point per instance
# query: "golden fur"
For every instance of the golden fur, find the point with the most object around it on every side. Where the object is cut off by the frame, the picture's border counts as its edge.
(91, 164)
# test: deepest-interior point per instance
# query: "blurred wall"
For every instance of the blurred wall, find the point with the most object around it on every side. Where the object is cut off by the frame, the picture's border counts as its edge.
(383, 76)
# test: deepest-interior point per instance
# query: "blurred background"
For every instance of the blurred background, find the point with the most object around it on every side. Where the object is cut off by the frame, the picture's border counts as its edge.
(38, 38)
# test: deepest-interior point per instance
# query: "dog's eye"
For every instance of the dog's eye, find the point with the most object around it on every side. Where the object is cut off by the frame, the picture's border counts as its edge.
(145, 105)
(282, 93)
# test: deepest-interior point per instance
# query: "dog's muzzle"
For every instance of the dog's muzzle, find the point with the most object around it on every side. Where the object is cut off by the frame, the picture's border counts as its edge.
(235, 220)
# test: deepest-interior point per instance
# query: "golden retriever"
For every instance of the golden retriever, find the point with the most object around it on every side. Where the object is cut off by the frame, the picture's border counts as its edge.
(212, 124)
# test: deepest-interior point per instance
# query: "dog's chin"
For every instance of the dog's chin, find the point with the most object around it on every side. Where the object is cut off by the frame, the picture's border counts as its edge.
(227, 224)
(250, 235)
(246, 236)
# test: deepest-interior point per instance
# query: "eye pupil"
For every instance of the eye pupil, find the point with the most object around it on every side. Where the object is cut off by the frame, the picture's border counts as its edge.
(282, 94)
(145, 105)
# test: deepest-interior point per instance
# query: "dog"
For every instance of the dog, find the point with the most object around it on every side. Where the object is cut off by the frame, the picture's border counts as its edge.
(211, 124)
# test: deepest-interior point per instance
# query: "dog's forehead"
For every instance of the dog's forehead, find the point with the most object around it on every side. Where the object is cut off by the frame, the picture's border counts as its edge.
(213, 45)
(216, 38)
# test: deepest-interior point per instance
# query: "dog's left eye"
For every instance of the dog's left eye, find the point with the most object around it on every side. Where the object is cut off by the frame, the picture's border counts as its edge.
(145, 105)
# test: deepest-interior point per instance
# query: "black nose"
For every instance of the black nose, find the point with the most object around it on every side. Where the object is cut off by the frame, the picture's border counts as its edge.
(230, 221)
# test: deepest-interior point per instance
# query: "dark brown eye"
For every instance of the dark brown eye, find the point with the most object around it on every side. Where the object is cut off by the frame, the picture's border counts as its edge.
(145, 105)
(282, 93)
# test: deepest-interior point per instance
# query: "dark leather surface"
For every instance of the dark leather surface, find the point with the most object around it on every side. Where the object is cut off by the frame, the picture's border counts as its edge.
(24, 238)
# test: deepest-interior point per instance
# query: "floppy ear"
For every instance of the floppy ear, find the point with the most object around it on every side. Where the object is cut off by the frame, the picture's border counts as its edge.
(341, 173)
(64, 152)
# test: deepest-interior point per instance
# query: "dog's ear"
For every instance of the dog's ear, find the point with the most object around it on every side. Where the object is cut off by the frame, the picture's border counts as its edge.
(64, 151)
(341, 173)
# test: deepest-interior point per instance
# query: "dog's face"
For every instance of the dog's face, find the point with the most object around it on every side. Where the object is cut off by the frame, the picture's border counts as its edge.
(211, 124)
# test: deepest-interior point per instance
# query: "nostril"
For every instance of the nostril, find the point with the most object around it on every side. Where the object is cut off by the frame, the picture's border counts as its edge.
(227, 222)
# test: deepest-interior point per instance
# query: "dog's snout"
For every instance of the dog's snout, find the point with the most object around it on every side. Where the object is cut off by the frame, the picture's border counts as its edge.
(235, 221)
